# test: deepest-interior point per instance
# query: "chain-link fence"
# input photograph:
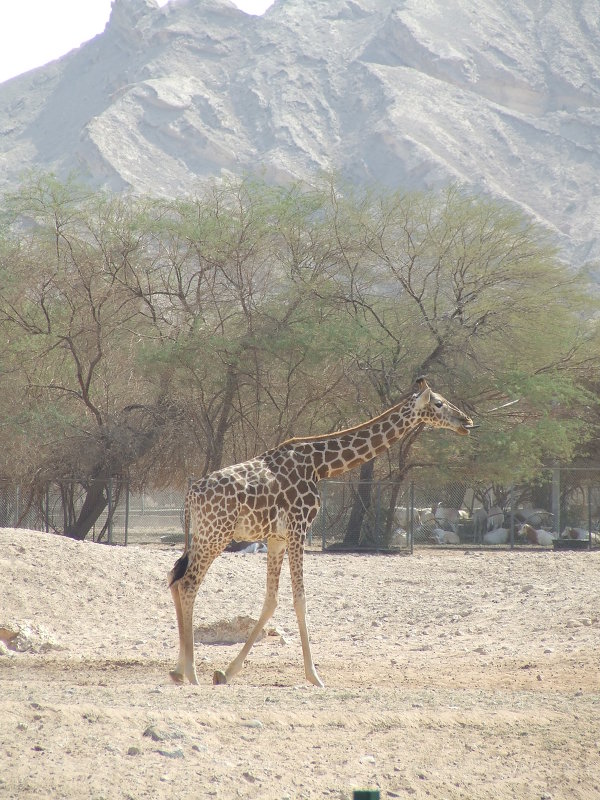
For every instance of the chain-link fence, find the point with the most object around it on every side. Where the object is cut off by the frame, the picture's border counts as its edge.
(362, 515)
(154, 515)
(101, 511)
(16, 510)
(559, 510)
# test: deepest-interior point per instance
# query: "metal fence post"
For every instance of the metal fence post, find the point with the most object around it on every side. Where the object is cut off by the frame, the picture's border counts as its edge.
(377, 515)
(512, 517)
(110, 511)
(411, 526)
(47, 514)
(323, 514)
(126, 512)
(556, 498)
(589, 503)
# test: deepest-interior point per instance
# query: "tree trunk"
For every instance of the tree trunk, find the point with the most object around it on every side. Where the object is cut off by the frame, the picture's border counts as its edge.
(362, 503)
(364, 495)
(391, 511)
(401, 473)
(96, 500)
(214, 456)
(131, 437)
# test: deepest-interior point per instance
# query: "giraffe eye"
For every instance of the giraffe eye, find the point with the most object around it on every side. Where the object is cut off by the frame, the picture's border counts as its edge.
(438, 404)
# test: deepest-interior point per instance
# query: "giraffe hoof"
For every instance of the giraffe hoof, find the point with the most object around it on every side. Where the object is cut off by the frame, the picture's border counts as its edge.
(219, 677)
(176, 677)
(315, 680)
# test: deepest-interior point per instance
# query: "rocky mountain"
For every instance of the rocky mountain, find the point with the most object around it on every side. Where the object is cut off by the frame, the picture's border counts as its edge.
(502, 95)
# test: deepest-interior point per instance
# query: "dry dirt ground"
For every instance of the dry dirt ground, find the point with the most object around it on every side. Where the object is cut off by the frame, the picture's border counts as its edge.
(448, 675)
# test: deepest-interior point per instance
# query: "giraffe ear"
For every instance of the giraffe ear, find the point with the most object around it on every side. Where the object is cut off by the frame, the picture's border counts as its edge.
(423, 399)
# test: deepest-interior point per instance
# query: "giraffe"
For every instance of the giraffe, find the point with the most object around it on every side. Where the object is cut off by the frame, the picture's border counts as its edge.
(274, 497)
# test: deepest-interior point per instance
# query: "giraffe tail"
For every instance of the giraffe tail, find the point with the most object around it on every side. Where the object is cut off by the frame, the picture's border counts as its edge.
(182, 563)
(186, 524)
(179, 569)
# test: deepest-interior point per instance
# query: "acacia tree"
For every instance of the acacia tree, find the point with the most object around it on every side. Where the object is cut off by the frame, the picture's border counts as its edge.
(147, 337)
(248, 345)
(71, 333)
(156, 339)
(458, 287)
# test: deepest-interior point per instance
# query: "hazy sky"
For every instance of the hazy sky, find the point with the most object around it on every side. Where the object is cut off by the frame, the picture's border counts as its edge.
(34, 32)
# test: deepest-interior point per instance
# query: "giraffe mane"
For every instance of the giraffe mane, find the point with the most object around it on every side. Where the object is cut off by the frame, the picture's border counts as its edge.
(353, 429)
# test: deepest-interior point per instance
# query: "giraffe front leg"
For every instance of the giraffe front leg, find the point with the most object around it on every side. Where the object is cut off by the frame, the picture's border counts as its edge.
(296, 558)
(309, 666)
(275, 554)
(220, 677)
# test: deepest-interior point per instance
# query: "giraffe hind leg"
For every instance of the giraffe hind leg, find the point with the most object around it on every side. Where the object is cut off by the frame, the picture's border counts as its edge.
(177, 674)
(175, 575)
(186, 577)
(296, 559)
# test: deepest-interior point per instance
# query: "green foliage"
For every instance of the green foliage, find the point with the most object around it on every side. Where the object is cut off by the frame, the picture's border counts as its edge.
(166, 337)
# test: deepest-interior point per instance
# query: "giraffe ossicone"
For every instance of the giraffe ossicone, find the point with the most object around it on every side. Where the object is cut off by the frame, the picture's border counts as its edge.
(274, 497)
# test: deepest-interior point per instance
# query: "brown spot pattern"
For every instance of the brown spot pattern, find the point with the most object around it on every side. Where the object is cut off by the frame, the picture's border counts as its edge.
(274, 497)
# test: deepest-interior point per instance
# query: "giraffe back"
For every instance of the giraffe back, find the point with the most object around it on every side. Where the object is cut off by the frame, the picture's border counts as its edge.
(266, 497)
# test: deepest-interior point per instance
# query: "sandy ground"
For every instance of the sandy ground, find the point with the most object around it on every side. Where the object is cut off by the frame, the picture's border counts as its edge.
(448, 675)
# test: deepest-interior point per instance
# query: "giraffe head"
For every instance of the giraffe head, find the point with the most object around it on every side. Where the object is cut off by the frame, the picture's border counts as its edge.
(435, 411)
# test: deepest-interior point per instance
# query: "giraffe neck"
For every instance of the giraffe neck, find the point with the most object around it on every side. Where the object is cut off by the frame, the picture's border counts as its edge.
(336, 453)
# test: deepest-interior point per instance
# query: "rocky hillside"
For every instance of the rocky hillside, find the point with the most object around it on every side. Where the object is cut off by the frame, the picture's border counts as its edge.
(500, 94)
